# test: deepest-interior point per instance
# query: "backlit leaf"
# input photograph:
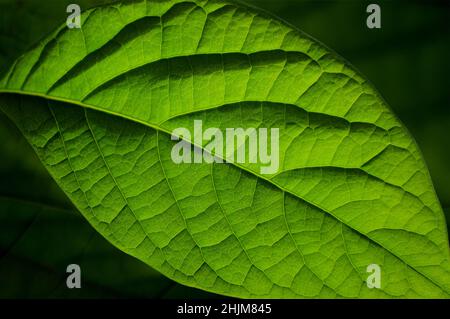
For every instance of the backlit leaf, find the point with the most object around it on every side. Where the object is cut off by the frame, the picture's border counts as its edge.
(99, 103)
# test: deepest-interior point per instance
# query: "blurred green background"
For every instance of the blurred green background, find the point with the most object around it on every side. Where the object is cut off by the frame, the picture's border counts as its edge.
(408, 61)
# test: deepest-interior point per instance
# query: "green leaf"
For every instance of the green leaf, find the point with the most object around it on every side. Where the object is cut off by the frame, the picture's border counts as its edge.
(99, 104)
(23, 273)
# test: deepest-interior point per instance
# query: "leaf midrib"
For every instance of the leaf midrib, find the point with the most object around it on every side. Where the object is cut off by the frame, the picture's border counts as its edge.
(161, 129)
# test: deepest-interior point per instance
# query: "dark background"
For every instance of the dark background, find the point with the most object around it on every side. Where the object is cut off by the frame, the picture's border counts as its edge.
(408, 61)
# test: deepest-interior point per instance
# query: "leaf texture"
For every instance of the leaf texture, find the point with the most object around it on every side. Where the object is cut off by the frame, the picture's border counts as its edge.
(98, 104)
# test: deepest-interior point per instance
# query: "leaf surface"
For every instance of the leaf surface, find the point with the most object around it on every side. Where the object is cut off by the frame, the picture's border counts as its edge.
(28, 196)
(98, 104)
